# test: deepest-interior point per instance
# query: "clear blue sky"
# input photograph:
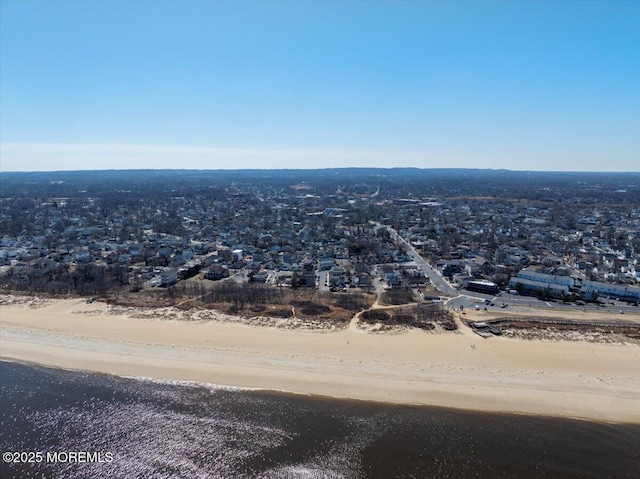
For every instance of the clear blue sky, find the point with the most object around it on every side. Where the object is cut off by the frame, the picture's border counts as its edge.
(117, 84)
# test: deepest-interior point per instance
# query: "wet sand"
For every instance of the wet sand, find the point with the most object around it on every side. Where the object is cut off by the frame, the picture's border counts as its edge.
(460, 370)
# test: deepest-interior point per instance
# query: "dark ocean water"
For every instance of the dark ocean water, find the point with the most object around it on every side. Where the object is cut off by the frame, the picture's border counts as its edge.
(165, 430)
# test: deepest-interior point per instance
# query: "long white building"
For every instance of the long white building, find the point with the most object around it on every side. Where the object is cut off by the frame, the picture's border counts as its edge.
(547, 278)
(528, 286)
(621, 291)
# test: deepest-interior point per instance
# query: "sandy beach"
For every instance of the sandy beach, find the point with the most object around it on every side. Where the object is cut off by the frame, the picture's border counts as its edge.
(455, 369)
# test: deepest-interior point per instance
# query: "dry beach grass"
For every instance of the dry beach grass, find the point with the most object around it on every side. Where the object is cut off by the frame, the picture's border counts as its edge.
(457, 369)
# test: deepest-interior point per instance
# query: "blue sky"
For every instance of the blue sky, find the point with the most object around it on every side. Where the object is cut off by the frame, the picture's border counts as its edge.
(518, 85)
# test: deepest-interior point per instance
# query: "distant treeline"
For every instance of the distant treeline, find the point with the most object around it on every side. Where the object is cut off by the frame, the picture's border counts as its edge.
(589, 187)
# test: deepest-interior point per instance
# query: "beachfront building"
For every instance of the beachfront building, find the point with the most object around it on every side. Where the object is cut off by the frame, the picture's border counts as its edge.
(481, 286)
(527, 286)
(567, 281)
(168, 277)
(337, 276)
(593, 289)
(216, 272)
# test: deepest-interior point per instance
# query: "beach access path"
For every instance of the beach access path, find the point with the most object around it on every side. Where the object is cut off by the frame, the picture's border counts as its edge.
(455, 369)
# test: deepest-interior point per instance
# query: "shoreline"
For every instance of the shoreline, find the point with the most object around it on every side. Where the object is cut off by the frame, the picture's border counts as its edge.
(312, 396)
(590, 381)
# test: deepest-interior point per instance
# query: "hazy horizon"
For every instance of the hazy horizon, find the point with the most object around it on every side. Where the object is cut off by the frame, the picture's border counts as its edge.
(319, 169)
(524, 86)
(73, 157)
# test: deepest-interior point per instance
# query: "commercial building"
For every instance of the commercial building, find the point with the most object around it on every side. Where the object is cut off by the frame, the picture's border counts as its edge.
(479, 286)
(547, 278)
(527, 286)
(593, 289)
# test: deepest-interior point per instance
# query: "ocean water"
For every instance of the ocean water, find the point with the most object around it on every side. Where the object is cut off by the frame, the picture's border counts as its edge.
(135, 428)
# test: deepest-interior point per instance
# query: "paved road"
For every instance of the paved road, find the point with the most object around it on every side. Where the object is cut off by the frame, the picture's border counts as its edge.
(468, 299)
(322, 281)
(436, 279)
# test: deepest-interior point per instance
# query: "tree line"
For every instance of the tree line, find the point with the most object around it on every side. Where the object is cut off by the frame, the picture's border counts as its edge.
(83, 280)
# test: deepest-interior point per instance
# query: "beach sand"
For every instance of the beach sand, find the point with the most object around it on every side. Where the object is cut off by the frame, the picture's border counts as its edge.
(455, 369)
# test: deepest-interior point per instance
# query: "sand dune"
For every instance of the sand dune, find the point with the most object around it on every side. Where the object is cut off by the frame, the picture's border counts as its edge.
(461, 370)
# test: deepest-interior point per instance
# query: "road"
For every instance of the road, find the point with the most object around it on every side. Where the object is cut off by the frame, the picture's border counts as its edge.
(469, 299)
(436, 279)
(323, 281)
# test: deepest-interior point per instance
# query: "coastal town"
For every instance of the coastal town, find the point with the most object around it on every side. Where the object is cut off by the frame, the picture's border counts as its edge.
(334, 282)
(353, 235)
(319, 239)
